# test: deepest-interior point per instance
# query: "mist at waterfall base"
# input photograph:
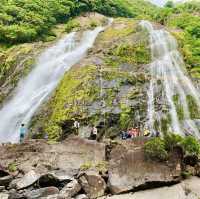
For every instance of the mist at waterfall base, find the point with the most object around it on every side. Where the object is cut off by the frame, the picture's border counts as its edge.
(39, 84)
(169, 81)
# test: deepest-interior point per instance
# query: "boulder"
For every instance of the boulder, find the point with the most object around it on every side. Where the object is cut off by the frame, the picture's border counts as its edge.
(4, 196)
(5, 181)
(81, 196)
(3, 172)
(2, 188)
(64, 156)
(13, 194)
(130, 170)
(191, 160)
(54, 178)
(55, 196)
(192, 187)
(190, 170)
(71, 189)
(47, 180)
(71, 158)
(62, 175)
(93, 184)
(188, 189)
(43, 192)
(30, 178)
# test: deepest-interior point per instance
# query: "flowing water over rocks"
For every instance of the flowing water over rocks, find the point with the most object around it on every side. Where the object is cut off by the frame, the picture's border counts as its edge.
(172, 98)
(35, 89)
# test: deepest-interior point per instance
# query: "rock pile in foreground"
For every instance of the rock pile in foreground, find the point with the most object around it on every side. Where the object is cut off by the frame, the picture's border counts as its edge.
(84, 169)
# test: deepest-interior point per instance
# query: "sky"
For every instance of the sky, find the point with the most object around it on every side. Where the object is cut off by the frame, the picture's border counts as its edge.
(162, 2)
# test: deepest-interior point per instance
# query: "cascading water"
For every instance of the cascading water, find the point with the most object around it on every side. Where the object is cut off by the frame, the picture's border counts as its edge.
(38, 85)
(170, 88)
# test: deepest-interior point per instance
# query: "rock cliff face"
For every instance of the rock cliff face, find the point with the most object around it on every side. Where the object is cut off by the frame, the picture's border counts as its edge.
(107, 88)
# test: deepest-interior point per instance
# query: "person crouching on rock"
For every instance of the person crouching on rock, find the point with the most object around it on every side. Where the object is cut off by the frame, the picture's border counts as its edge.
(146, 132)
(22, 132)
(124, 135)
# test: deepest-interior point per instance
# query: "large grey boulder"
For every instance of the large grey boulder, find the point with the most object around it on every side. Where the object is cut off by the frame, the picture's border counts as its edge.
(71, 189)
(4, 196)
(5, 181)
(54, 178)
(81, 196)
(67, 156)
(3, 172)
(43, 192)
(27, 180)
(62, 175)
(129, 170)
(2, 188)
(93, 184)
(14, 194)
(188, 189)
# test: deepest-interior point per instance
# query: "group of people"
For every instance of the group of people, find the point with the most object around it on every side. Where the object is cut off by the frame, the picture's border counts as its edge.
(93, 133)
(129, 134)
(135, 132)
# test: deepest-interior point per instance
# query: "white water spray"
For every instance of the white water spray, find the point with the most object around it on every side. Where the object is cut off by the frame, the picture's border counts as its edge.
(39, 84)
(169, 81)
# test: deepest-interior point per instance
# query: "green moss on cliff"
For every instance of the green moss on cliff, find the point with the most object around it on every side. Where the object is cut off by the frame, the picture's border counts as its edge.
(132, 53)
(179, 107)
(125, 116)
(70, 97)
(193, 107)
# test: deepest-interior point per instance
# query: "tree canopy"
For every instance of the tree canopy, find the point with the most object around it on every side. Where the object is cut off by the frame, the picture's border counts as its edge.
(26, 20)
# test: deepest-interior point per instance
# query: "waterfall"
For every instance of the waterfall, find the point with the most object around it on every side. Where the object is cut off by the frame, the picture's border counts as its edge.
(42, 80)
(170, 85)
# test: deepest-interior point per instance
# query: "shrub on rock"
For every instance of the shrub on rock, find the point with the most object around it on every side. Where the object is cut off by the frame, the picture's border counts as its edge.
(155, 150)
(172, 140)
(191, 146)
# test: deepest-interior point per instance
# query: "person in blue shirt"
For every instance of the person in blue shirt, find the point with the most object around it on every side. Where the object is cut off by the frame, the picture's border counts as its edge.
(22, 132)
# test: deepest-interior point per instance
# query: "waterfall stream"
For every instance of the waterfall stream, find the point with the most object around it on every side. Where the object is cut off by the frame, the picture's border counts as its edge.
(170, 89)
(42, 80)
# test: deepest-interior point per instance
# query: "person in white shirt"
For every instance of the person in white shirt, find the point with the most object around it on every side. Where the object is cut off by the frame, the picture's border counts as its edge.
(94, 133)
(76, 126)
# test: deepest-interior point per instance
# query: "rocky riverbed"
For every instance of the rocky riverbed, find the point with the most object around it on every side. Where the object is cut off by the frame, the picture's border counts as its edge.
(80, 168)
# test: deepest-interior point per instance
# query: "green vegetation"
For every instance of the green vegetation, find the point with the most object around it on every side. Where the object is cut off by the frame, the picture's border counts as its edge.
(125, 118)
(183, 20)
(133, 53)
(193, 107)
(71, 25)
(68, 102)
(171, 141)
(159, 148)
(179, 107)
(27, 20)
(12, 167)
(155, 150)
(99, 166)
(86, 166)
(191, 146)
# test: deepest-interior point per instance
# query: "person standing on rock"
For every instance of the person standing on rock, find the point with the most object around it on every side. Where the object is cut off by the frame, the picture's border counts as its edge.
(76, 126)
(22, 133)
(94, 133)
